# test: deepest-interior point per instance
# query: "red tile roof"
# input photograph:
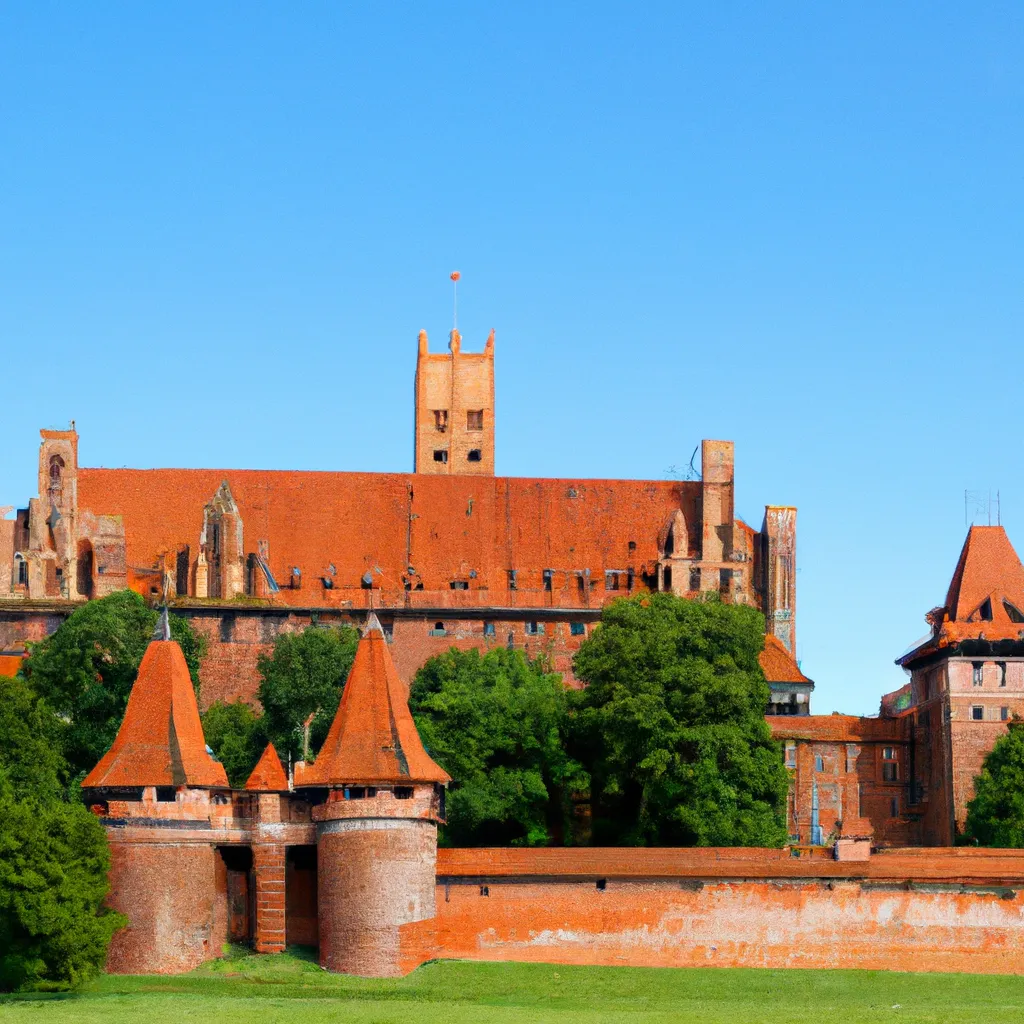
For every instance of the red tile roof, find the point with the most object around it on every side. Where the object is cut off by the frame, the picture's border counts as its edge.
(373, 739)
(268, 776)
(777, 664)
(10, 663)
(839, 728)
(445, 527)
(160, 742)
(987, 583)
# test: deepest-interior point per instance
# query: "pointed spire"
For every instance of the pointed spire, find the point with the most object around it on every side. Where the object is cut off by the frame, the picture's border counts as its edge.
(160, 742)
(373, 739)
(268, 776)
(988, 568)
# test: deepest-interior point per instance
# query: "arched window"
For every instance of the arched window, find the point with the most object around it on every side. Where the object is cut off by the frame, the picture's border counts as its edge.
(56, 477)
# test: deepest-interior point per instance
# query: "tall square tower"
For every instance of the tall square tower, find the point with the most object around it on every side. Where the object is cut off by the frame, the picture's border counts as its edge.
(455, 409)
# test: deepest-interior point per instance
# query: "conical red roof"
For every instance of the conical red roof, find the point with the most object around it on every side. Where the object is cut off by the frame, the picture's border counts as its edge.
(988, 569)
(268, 776)
(160, 742)
(373, 739)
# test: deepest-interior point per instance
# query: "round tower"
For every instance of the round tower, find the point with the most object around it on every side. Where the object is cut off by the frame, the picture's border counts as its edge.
(381, 798)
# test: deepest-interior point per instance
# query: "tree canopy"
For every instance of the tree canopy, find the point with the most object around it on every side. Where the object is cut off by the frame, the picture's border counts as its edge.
(671, 726)
(995, 817)
(302, 681)
(236, 735)
(54, 858)
(86, 669)
(494, 722)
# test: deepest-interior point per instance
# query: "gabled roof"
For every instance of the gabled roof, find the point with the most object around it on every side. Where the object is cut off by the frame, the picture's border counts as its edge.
(777, 664)
(373, 739)
(268, 776)
(160, 742)
(985, 600)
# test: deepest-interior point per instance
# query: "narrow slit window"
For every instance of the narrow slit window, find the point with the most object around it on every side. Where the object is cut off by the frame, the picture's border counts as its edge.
(978, 673)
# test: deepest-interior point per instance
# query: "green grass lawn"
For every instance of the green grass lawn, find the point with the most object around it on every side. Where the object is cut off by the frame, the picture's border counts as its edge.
(290, 987)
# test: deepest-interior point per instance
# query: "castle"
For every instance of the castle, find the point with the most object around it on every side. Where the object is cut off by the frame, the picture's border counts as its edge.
(344, 856)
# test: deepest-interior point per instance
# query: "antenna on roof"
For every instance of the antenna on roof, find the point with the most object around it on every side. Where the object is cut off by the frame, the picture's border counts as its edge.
(455, 275)
(978, 505)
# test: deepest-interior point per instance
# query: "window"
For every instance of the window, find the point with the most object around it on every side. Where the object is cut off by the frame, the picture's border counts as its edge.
(790, 754)
(1002, 672)
(438, 629)
(977, 713)
(1004, 714)
(894, 807)
(577, 629)
(441, 455)
(165, 794)
(548, 576)
(441, 420)
(602, 884)
(512, 581)
(985, 611)
(724, 580)
(890, 771)
(819, 763)
(485, 890)
(611, 580)
(535, 629)
(475, 455)
(668, 579)
(1014, 613)
(977, 673)
(475, 419)
(695, 579)
(488, 629)
(459, 585)
(403, 792)
(22, 570)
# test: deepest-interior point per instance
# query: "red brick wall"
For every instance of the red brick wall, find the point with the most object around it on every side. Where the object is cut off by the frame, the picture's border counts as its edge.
(373, 877)
(176, 899)
(724, 908)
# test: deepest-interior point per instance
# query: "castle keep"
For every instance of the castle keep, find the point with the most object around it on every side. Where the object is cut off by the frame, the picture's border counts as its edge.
(449, 555)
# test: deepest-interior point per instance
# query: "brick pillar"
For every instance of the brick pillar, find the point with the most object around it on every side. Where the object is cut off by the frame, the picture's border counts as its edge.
(268, 866)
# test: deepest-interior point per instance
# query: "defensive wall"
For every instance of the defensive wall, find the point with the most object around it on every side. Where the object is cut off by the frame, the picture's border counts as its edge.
(187, 891)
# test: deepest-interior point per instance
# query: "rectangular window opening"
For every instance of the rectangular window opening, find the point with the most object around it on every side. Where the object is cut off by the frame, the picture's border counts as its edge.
(403, 792)
(790, 755)
(1002, 672)
(165, 794)
(611, 580)
(819, 763)
(441, 420)
(535, 629)
(1004, 714)
(977, 713)
(475, 455)
(512, 579)
(977, 672)
(459, 585)
(549, 578)
(475, 419)
(577, 629)
(441, 455)
(489, 629)
(695, 579)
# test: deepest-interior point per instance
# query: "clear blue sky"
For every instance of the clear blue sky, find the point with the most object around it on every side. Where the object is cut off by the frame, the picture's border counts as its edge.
(798, 226)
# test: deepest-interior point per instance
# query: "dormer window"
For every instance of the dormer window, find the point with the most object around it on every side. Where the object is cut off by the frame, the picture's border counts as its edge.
(1013, 612)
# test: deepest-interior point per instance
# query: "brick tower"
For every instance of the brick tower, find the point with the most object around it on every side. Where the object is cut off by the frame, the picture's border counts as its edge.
(377, 824)
(455, 409)
(159, 792)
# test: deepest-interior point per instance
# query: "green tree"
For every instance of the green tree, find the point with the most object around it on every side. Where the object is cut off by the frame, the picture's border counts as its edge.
(54, 858)
(495, 723)
(995, 817)
(671, 725)
(236, 736)
(301, 687)
(86, 669)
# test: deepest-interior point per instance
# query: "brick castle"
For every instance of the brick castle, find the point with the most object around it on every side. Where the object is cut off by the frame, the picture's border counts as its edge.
(343, 854)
